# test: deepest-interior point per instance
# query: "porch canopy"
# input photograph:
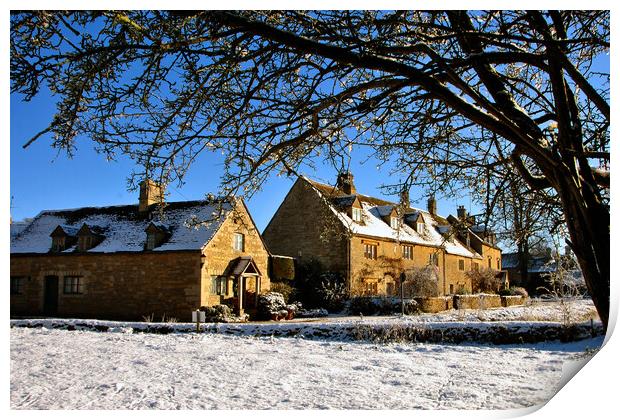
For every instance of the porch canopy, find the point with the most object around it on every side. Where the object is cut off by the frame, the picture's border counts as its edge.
(240, 268)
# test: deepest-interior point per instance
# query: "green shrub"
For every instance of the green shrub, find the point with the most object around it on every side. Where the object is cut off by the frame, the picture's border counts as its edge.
(484, 280)
(318, 288)
(505, 292)
(518, 291)
(369, 305)
(421, 282)
(284, 288)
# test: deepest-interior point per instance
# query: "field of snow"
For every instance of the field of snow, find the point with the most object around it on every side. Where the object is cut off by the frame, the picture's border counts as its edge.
(60, 369)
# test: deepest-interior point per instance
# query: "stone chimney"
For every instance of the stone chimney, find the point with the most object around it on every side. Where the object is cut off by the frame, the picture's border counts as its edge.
(150, 193)
(432, 205)
(345, 183)
(461, 213)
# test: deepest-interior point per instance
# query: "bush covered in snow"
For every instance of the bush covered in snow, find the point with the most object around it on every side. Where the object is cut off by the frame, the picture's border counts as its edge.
(271, 305)
(218, 313)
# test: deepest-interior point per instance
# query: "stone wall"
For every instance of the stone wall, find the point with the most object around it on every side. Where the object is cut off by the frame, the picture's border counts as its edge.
(512, 300)
(456, 277)
(220, 252)
(481, 301)
(123, 286)
(492, 257)
(434, 304)
(304, 227)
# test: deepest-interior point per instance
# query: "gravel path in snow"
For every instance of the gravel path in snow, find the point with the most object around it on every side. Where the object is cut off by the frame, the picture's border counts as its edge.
(56, 369)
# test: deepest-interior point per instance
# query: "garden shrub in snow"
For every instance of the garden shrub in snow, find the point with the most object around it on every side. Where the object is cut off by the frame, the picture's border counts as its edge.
(284, 288)
(271, 305)
(484, 280)
(218, 313)
(421, 282)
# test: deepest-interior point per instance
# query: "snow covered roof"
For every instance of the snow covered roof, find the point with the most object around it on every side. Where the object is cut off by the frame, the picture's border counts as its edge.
(373, 211)
(17, 227)
(536, 263)
(124, 229)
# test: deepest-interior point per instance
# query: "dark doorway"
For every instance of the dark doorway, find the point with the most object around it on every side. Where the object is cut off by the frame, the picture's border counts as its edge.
(50, 297)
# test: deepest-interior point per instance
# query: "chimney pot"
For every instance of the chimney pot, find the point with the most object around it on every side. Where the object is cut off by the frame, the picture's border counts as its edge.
(151, 192)
(461, 213)
(432, 205)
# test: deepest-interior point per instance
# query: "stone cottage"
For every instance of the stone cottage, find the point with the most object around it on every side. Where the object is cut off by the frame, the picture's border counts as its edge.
(371, 241)
(134, 261)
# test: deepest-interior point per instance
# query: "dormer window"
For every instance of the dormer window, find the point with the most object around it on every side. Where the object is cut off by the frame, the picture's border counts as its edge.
(357, 214)
(58, 244)
(63, 237)
(155, 236)
(151, 241)
(89, 237)
(420, 227)
(394, 222)
(85, 242)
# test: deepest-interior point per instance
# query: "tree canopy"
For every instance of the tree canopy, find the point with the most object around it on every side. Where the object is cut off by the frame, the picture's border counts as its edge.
(453, 98)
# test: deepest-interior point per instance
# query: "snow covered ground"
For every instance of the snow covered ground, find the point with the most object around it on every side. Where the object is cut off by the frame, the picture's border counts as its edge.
(54, 369)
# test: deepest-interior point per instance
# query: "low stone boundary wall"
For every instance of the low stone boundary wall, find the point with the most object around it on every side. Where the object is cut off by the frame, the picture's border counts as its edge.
(434, 304)
(512, 301)
(480, 301)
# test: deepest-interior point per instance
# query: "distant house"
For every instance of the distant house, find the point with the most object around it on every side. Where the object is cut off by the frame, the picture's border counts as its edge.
(540, 268)
(372, 241)
(132, 261)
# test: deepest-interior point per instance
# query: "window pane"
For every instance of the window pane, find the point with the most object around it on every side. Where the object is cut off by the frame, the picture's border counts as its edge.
(72, 285)
(17, 285)
(238, 242)
(150, 241)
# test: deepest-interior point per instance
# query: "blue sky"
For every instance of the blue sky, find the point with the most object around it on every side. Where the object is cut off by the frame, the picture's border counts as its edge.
(44, 178)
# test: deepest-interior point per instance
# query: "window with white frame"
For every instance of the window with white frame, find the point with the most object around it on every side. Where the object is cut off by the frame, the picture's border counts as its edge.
(370, 251)
(433, 259)
(394, 222)
(218, 285)
(357, 214)
(407, 252)
(239, 242)
(420, 227)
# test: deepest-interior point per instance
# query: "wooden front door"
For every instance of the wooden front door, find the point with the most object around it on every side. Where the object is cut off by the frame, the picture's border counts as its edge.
(50, 296)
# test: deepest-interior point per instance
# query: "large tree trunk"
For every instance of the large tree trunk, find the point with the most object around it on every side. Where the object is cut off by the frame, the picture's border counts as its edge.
(587, 219)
